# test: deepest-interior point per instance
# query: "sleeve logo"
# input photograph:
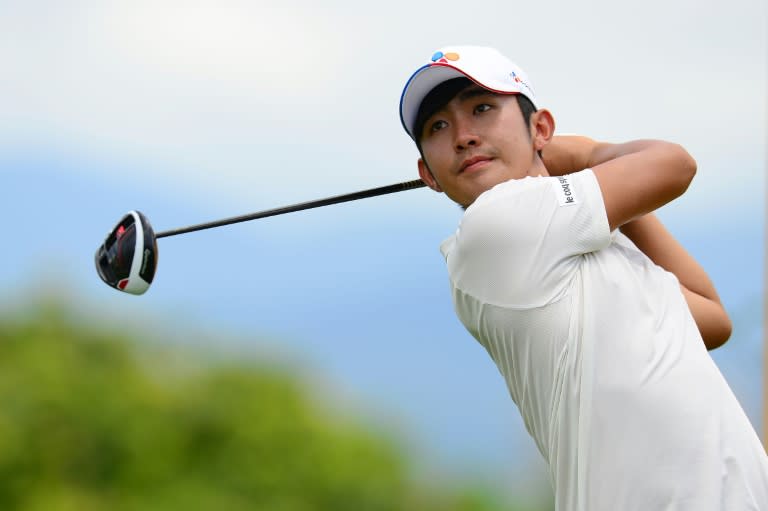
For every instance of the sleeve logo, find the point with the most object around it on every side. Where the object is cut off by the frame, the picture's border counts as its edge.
(566, 195)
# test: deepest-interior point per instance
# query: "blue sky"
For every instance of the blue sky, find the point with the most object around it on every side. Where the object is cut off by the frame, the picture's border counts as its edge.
(195, 111)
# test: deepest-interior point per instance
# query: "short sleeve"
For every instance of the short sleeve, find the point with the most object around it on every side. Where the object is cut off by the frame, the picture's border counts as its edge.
(520, 243)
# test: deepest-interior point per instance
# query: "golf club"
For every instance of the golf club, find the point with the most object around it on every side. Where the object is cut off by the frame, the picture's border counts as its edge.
(119, 266)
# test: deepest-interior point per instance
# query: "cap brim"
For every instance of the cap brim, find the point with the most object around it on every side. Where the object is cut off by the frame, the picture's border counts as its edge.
(419, 85)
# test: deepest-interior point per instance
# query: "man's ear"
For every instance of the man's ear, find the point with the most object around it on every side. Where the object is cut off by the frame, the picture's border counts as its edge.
(542, 128)
(426, 175)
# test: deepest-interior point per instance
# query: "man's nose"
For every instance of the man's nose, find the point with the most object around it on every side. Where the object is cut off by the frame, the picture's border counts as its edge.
(466, 137)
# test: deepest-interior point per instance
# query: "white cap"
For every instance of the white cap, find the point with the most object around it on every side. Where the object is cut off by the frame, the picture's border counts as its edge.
(484, 66)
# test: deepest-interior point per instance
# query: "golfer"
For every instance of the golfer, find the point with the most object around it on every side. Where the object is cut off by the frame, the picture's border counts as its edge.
(595, 315)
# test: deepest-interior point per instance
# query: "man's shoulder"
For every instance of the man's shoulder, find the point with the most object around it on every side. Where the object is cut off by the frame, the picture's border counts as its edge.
(564, 190)
(511, 208)
(506, 189)
(522, 241)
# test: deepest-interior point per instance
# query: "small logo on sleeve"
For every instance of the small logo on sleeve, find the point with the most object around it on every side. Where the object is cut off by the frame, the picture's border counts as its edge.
(563, 187)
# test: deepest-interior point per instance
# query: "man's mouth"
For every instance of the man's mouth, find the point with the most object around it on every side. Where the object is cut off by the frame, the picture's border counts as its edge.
(474, 163)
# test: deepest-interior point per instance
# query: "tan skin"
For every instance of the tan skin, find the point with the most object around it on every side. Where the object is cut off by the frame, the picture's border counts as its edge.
(478, 124)
(479, 139)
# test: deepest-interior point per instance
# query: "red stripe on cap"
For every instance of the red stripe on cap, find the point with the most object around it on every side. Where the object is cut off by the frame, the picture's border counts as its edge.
(440, 64)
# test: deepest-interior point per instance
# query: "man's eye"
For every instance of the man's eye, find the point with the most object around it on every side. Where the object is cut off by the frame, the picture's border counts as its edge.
(483, 107)
(438, 125)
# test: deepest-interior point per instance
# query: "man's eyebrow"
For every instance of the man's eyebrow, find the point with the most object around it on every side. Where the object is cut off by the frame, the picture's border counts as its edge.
(473, 92)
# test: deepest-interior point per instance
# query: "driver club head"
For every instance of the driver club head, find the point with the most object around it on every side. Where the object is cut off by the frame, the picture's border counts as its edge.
(127, 259)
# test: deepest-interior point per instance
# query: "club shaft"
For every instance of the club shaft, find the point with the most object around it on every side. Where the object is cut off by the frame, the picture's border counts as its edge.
(363, 194)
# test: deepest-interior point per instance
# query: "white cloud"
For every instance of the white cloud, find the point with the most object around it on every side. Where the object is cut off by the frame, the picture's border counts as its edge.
(237, 99)
(272, 48)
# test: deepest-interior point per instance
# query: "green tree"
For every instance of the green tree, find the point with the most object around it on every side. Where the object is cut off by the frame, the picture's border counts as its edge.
(93, 421)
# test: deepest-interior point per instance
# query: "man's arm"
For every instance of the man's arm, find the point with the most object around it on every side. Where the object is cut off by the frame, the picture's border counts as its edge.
(635, 177)
(568, 154)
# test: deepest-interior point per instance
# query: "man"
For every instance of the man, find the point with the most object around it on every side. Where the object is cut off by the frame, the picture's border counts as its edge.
(595, 315)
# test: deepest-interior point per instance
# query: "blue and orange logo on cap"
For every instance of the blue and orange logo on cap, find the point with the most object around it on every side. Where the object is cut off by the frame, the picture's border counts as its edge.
(443, 58)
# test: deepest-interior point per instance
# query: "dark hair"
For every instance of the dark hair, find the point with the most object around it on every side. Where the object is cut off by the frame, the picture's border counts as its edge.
(526, 108)
(444, 93)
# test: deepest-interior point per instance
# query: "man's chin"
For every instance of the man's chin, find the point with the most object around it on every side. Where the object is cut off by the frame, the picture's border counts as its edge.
(482, 182)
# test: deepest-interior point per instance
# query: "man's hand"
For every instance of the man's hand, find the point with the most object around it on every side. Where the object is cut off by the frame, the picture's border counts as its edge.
(568, 153)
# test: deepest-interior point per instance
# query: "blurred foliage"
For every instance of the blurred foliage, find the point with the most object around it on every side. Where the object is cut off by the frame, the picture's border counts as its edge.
(94, 420)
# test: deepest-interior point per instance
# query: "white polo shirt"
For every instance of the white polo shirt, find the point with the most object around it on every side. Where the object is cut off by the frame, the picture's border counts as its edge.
(601, 354)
